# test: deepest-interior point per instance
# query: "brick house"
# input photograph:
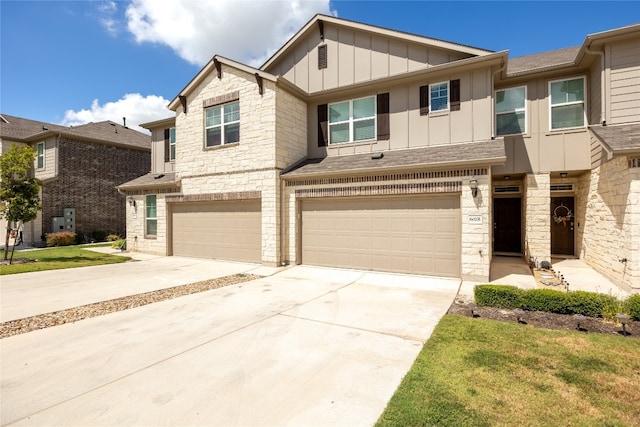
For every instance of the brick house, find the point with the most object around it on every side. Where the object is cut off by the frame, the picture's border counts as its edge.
(363, 147)
(80, 168)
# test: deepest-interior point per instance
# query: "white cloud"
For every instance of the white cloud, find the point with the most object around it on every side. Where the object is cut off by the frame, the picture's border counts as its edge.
(135, 107)
(107, 11)
(246, 31)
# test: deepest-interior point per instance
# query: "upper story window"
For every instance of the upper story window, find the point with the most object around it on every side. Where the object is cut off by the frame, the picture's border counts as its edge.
(511, 111)
(172, 144)
(222, 124)
(567, 103)
(151, 216)
(353, 120)
(439, 96)
(40, 155)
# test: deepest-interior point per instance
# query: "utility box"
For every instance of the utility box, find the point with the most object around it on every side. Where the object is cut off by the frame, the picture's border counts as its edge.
(58, 224)
(69, 219)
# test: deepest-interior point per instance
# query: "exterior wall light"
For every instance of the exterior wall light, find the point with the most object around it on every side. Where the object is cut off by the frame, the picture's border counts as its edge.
(132, 202)
(473, 185)
(563, 174)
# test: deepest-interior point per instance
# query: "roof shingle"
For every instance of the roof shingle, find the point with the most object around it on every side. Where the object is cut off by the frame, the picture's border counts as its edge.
(540, 61)
(620, 138)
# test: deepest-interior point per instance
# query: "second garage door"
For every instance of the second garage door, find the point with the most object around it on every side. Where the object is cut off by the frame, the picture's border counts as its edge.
(419, 235)
(220, 230)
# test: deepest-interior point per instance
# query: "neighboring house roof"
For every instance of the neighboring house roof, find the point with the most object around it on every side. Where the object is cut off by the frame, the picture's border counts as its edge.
(620, 139)
(542, 61)
(385, 32)
(477, 153)
(151, 180)
(107, 132)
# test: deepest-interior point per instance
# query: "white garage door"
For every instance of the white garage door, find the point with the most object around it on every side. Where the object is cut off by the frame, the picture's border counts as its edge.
(221, 230)
(418, 235)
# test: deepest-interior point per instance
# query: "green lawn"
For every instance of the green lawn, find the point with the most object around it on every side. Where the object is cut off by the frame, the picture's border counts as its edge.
(479, 372)
(59, 258)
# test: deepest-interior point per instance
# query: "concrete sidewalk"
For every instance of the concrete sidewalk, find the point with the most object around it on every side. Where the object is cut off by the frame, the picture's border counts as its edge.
(28, 294)
(305, 346)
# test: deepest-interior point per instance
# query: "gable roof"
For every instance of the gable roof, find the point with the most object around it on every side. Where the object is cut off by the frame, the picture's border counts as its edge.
(107, 132)
(151, 180)
(385, 32)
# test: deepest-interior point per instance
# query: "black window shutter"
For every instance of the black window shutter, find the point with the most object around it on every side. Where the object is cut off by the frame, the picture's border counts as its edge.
(383, 116)
(424, 100)
(166, 145)
(323, 125)
(322, 56)
(454, 100)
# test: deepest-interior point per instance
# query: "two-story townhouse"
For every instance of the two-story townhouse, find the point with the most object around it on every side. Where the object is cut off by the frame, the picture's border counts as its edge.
(362, 147)
(80, 168)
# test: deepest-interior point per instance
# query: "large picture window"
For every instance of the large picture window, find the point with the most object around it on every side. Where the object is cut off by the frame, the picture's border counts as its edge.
(222, 124)
(567, 103)
(511, 117)
(151, 216)
(353, 120)
(40, 155)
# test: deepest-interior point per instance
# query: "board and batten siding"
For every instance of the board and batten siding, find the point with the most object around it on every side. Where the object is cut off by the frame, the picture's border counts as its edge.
(158, 164)
(355, 56)
(624, 72)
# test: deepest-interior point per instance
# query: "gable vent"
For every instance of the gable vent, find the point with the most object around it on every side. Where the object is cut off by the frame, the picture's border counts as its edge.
(561, 187)
(322, 56)
(501, 189)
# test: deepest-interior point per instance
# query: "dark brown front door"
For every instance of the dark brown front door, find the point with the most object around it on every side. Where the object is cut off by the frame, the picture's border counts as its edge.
(507, 225)
(562, 225)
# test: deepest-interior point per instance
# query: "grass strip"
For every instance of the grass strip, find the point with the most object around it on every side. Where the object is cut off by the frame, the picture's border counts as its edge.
(58, 258)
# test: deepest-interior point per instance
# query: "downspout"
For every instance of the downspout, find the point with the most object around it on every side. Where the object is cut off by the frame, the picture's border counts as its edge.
(603, 95)
(493, 103)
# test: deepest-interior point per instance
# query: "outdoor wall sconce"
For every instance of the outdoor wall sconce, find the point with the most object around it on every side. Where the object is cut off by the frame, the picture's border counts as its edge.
(132, 202)
(563, 174)
(473, 185)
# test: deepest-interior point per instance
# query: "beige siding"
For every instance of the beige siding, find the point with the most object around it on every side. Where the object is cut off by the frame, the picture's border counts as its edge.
(595, 91)
(409, 129)
(540, 149)
(355, 56)
(158, 165)
(50, 169)
(624, 98)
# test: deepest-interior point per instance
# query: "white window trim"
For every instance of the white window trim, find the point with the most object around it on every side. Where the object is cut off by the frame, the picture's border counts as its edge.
(221, 125)
(147, 218)
(172, 158)
(40, 156)
(584, 102)
(448, 97)
(351, 120)
(517, 110)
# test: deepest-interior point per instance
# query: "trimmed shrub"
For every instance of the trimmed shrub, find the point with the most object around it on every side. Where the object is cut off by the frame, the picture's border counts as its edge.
(546, 300)
(63, 238)
(113, 238)
(633, 306)
(99, 235)
(501, 296)
(586, 303)
(119, 244)
(79, 238)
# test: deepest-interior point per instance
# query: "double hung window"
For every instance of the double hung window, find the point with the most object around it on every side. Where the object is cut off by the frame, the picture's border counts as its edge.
(567, 103)
(511, 112)
(172, 144)
(353, 120)
(222, 124)
(151, 216)
(439, 96)
(40, 155)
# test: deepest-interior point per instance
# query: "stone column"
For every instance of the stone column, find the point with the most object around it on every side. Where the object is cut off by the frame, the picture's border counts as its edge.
(476, 229)
(537, 231)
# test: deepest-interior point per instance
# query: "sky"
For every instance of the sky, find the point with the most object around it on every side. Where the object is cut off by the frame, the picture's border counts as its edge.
(74, 62)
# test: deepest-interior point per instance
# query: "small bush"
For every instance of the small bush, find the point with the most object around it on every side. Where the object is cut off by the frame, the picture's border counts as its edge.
(545, 265)
(63, 238)
(119, 244)
(611, 306)
(501, 296)
(632, 306)
(546, 300)
(79, 238)
(586, 303)
(99, 235)
(113, 238)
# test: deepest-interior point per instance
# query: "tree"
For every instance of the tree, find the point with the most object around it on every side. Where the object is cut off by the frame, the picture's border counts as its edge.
(19, 192)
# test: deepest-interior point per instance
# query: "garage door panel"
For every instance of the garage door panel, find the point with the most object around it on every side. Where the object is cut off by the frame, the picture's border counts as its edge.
(412, 235)
(229, 230)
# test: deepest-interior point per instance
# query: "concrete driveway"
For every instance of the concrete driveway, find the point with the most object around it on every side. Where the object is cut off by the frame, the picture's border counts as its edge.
(305, 346)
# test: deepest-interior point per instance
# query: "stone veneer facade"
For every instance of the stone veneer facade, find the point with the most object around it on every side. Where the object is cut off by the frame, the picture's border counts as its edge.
(610, 202)
(537, 229)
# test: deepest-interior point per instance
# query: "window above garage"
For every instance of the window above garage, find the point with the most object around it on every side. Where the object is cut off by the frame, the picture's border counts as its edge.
(353, 120)
(222, 124)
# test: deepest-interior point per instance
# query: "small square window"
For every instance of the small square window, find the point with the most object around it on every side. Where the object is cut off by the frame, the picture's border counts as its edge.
(439, 96)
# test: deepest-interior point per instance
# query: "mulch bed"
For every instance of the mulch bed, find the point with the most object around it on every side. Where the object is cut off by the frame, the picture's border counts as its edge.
(47, 320)
(17, 261)
(541, 319)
